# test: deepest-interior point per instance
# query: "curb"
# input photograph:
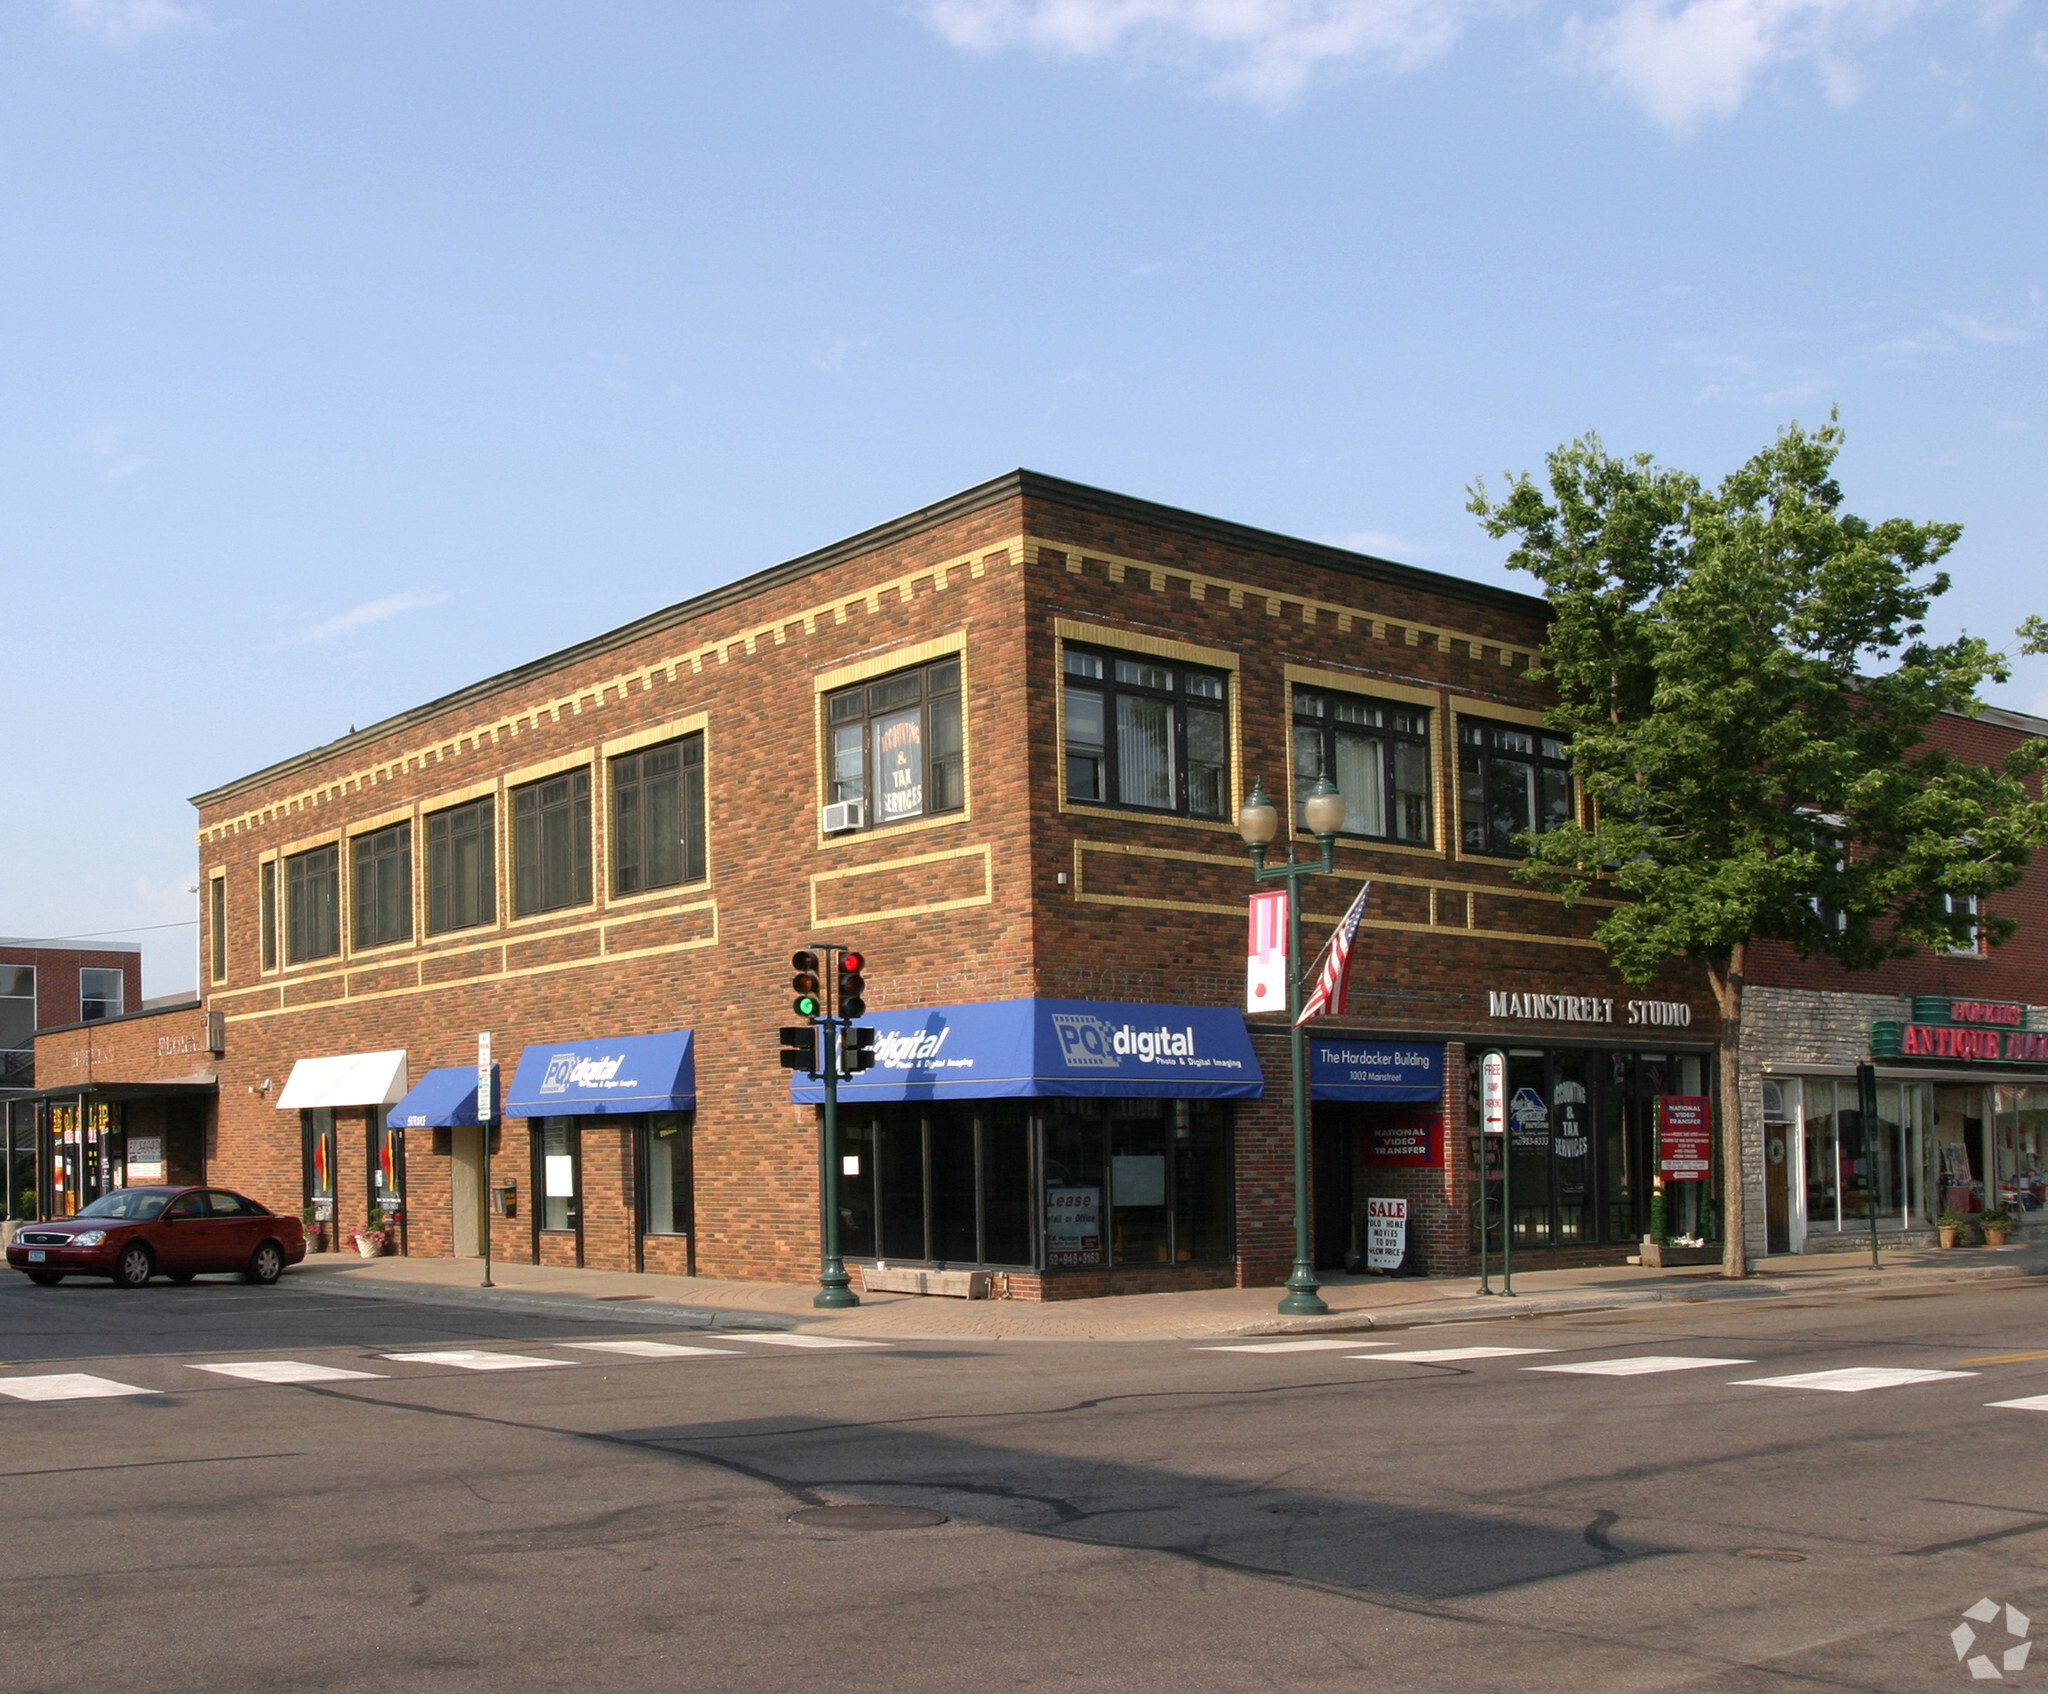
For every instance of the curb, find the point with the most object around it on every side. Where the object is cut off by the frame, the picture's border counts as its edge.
(1462, 1309)
(580, 1307)
(1467, 1308)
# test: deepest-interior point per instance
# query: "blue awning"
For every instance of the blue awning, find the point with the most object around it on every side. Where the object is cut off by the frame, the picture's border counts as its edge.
(1012, 1049)
(621, 1073)
(1400, 1072)
(442, 1099)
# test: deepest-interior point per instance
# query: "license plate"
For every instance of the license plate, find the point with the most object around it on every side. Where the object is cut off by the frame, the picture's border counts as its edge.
(35, 1255)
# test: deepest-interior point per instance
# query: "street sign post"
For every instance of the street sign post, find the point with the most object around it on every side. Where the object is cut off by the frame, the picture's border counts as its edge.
(1866, 1109)
(484, 1126)
(1493, 1120)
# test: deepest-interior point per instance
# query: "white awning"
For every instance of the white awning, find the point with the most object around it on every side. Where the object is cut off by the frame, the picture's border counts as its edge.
(346, 1079)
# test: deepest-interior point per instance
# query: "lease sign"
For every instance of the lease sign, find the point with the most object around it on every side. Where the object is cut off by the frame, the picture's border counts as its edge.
(1685, 1129)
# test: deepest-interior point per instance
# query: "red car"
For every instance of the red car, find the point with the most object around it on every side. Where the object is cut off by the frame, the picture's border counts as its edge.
(134, 1234)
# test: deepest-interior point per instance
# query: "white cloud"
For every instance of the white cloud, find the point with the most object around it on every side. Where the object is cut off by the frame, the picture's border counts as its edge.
(1976, 329)
(1266, 50)
(1700, 58)
(369, 612)
(125, 22)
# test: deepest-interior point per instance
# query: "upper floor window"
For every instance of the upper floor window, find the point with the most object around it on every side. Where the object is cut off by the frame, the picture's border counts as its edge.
(1514, 781)
(1377, 755)
(658, 816)
(1964, 911)
(381, 880)
(17, 1024)
(462, 867)
(1146, 733)
(217, 926)
(100, 993)
(551, 843)
(266, 913)
(312, 904)
(896, 744)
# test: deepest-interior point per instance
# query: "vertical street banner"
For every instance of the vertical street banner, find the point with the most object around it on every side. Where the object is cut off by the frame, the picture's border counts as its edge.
(1265, 965)
(1386, 1234)
(1684, 1137)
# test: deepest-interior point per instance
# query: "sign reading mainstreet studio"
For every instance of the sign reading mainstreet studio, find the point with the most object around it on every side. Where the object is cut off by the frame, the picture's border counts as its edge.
(1587, 1008)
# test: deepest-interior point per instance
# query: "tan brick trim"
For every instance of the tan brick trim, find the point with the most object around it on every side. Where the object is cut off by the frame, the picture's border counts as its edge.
(652, 736)
(984, 898)
(626, 686)
(882, 664)
(892, 659)
(1371, 688)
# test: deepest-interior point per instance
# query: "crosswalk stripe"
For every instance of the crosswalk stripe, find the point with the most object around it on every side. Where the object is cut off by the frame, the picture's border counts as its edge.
(1290, 1346)
(288, 1371)
(653, 1349)
(478, 1361)
(1446, 1355)
(1855, 1379)
(798, 1340)
(1648, 1364)
(2032, 1403)
(68, 1385)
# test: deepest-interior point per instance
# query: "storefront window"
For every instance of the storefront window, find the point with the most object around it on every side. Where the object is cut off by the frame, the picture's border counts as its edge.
(665, 1143)
(2019, 1122)
(937, 1184)
(559, 1181)
(1850, 1167)
(88, 1154)
(1166, 1197)
(316, 1144)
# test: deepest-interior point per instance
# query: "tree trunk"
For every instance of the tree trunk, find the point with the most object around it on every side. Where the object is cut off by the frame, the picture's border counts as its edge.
(1726, 979)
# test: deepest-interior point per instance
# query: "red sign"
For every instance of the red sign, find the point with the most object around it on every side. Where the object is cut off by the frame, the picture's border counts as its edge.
(1945, 1041)
(1685, 1136)
(1987, 1011)
(1411, 1139)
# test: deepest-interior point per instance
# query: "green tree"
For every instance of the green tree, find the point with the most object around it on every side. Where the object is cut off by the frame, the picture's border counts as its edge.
(1747, 682)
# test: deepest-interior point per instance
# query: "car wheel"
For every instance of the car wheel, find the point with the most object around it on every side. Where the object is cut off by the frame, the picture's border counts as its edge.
(183, 1276)
(135, 1266)
(46, 1279)
(266, 1264)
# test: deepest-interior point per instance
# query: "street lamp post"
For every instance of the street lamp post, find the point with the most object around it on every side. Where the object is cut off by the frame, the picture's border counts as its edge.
(1258, 821)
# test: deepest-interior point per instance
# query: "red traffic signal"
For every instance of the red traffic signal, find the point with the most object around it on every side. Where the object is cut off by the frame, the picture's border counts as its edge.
(851, 986)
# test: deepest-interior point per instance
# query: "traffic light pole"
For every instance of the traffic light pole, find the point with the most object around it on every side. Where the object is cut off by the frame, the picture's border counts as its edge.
(835, 1286)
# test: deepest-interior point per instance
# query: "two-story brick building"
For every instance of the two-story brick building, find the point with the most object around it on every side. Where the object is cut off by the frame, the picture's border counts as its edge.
(998, 745)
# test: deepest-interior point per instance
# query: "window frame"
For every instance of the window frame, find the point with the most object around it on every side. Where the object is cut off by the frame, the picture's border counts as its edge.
(217, 926)
(440, 851)
(120, 997)
(266, 914)
(693, 860)
(865, 687)
(582, 846)
(1972, 907)
(1103, 646)
(1514, 722)
(13, 1073)
(1326, 730)
(369, 866)
(298, 872)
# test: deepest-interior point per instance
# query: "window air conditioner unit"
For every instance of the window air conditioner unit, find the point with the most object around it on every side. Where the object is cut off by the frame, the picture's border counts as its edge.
(843, 815)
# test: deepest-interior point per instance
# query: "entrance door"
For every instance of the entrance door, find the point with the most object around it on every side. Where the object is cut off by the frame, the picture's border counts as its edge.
(1777, 1171)
(466, 1189)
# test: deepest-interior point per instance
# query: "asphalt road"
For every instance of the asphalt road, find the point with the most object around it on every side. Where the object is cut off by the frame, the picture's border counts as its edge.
(1119, 1515)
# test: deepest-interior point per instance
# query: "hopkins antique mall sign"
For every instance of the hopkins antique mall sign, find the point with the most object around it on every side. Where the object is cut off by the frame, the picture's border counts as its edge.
(1977, 1032)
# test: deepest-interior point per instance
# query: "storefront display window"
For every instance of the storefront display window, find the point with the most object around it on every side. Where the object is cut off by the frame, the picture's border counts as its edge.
(1166, 1199)
(558, 1148)
(2019, 1121)
(88, 1154)
(665, 1162)
(1849, 1167)
(939, 1184)
(316, 1138)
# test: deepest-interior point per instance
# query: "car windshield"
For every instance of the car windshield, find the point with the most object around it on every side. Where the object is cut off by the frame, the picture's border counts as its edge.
(138, 1205)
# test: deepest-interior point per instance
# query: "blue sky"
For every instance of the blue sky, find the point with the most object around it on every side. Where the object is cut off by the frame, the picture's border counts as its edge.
(355, 350)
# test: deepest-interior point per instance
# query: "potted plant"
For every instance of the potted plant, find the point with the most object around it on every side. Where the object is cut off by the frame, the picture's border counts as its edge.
(316, 1233)
(1996, 1226)
(1950, 1224)
(370, 1238)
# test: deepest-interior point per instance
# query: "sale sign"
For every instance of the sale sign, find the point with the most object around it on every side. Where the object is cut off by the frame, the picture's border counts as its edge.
(1386, 1234)
(1685, 1131)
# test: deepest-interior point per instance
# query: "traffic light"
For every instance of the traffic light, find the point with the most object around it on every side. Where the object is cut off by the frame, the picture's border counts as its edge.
(800, 1047)
(852, 985)
(807, 1003)
(857, 1051)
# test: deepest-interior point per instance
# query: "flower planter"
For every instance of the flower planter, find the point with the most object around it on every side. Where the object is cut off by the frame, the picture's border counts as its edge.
(369, 1242)
(1993, 1237)
(1948, 1238)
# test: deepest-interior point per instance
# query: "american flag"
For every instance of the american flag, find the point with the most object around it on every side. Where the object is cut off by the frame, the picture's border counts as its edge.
(1328, 994)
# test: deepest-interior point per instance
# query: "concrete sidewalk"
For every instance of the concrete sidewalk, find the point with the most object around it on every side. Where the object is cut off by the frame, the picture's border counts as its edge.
(1356, 1303)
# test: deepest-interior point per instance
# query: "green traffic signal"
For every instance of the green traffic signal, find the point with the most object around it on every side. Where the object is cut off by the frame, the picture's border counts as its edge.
(805, 1005)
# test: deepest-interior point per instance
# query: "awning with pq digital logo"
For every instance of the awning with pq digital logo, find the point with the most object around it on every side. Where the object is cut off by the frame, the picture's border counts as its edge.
(621, 1073)
(1015, 1049)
